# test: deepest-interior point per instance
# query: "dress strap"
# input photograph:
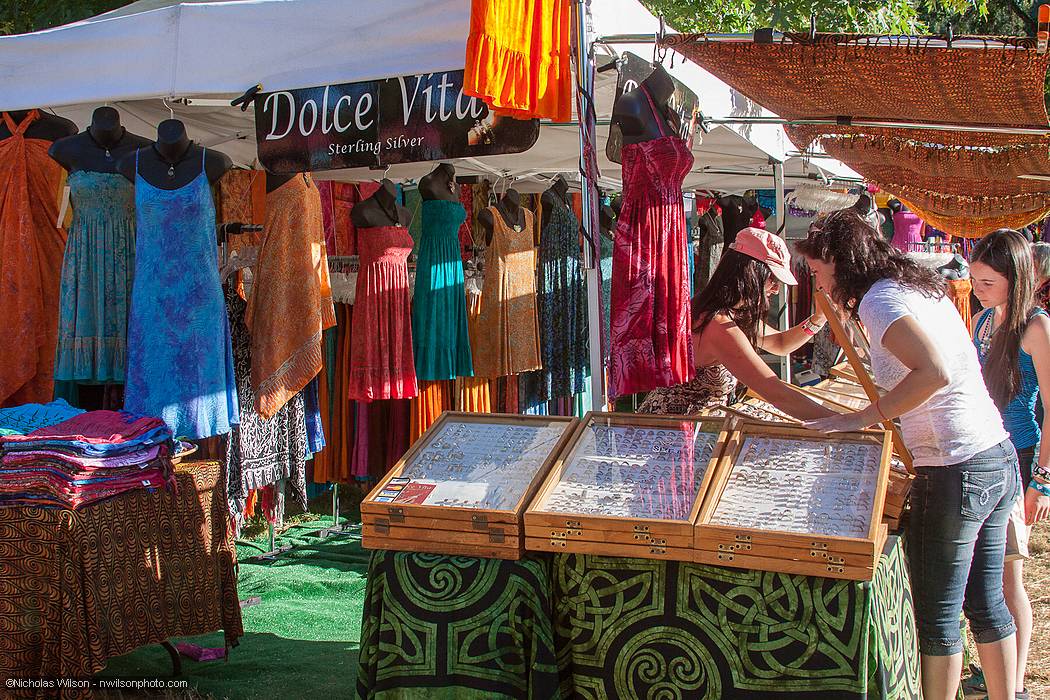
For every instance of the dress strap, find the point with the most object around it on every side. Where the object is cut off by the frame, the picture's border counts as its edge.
(656, 113)
(981, 321)
(204, 152)
(20, 129)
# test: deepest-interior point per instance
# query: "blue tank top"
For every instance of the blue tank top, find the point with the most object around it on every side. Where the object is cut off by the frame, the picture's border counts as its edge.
(1019, 415)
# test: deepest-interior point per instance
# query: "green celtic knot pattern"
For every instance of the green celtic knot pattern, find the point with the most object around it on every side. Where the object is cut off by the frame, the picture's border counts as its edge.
(457, 627)
(439, 627)
(631, 628)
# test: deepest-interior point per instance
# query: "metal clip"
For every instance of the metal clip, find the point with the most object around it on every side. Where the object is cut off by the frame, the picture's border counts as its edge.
(479, 522)
(396, 515)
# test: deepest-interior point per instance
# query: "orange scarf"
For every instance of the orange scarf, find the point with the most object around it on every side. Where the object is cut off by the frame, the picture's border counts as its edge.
(31, 248)
(291, 298)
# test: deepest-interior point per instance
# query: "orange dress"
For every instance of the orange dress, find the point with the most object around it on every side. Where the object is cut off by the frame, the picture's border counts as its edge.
(31, 249)
(518, 54)
(509, 329)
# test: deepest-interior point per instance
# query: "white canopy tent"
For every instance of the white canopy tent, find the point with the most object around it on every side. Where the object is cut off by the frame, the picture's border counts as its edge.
(155, 59)
(158, 58)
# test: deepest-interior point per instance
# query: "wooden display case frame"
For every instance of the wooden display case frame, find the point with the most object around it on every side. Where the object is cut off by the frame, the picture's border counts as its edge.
(862, 374)
(832, 556)
(476, 532)
(649, 538)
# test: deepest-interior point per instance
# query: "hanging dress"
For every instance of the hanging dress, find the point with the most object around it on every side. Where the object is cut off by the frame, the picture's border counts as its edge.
(260, 451)
(381, 364)
(606, 243)
(96, 278)
(650, 330)
(518, 57)
(31, 245)
(180, 363)
(563, 303)
(440, 339)
(509, 333)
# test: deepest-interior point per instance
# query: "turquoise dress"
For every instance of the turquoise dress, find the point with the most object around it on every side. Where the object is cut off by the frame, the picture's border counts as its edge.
(96, 279)
(180, 360)
(440, 342)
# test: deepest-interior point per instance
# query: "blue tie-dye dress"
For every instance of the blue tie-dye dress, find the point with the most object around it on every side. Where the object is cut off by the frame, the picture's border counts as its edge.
(180, 361)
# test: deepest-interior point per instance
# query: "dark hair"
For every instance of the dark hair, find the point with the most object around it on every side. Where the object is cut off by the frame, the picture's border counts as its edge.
(738, 281)
(862, 257)
(1007, 252)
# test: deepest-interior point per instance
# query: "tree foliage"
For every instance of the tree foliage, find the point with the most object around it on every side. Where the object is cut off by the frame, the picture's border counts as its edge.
(20, 16)
(874, 16)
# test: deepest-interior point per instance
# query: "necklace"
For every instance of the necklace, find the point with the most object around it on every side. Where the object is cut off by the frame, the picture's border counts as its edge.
(506, 217)
(171, 165)
(987, 331)
(109, 154)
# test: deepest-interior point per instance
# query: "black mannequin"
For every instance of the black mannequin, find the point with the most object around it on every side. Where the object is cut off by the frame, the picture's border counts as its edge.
(99, 147)
(636, 118)
(737, 213)
(275, 180)
(559, 191)
(48, 127)
(440, 183)
(895, 206)
(381, 209)
(510, 210)
(173, 161)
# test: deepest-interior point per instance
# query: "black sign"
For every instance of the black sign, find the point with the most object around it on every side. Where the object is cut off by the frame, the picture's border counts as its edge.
(382, 122)
(684, 102)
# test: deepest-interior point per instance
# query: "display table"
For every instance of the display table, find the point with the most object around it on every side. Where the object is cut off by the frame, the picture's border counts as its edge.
(633, 628)
(77, 588)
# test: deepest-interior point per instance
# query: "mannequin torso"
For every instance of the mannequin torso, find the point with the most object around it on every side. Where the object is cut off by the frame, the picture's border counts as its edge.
(173, 161)
(47, 127)
(99, 147)
(440, 183)
(558, 192)
(381, 209)
(509, 208)
(275, 180)
(641, 121)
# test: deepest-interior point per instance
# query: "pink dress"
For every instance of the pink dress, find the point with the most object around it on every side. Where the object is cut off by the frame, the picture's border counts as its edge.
(381, 364)
(650, 328)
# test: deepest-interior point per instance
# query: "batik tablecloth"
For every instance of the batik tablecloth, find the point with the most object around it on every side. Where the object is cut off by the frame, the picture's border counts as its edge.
(77, 588)
(444, 627)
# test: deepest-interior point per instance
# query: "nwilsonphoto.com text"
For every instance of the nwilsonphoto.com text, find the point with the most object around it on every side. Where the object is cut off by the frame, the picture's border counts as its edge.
(94, 684)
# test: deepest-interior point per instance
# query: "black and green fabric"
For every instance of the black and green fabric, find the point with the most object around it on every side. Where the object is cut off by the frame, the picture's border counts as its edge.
(457, 628)
(638, 628)
(444, 627)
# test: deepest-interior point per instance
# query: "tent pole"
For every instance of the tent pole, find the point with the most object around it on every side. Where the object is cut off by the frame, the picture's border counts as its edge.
(591, 252)
(781, 228)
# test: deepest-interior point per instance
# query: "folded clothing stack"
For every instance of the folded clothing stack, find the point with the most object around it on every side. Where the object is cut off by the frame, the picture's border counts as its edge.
(85, 459)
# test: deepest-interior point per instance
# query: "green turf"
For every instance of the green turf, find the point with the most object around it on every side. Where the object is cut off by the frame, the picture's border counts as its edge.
(300, 641)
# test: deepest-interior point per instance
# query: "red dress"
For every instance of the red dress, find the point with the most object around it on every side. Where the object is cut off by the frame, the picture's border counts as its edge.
(381, 364)
(650, 328)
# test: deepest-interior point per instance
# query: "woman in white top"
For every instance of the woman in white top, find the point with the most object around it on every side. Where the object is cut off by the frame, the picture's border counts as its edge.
(967, 473)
